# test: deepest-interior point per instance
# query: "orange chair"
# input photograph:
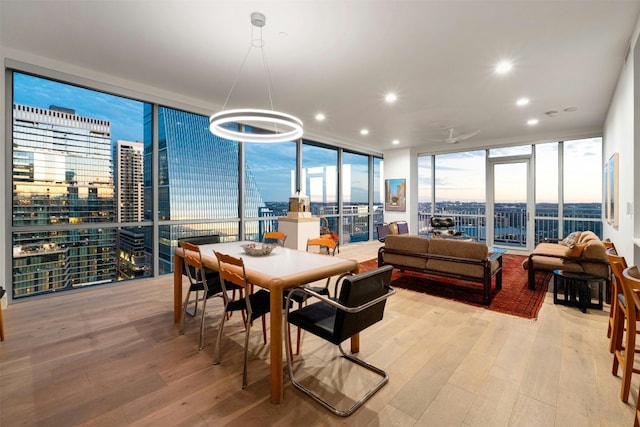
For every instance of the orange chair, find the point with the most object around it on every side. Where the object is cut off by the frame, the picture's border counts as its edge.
(623, 356)
(275, 237)
(325, 245)
(325, 231)
(256, 305)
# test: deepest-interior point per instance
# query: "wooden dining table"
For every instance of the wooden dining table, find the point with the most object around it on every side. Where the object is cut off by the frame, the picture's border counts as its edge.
(283, 269)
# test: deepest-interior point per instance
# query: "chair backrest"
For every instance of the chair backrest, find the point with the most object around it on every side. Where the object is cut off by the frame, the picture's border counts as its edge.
(322, 242)
(383, 231)
(442, 222)
(275, 237)
(193, 267)
(403, 227)
(613, 257)
(228, 273)
(355, 291)
(630, 281)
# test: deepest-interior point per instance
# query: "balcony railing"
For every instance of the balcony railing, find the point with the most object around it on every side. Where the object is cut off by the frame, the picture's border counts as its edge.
(510, 225)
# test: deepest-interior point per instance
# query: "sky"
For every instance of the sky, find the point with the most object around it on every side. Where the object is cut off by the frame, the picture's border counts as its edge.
(459, 177)
(270, 164)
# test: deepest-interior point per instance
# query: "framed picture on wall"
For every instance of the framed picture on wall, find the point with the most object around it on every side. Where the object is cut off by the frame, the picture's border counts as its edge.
(395, 195)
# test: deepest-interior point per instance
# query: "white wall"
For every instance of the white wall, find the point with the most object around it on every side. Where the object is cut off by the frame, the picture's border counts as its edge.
(402, 164)
(619, 137)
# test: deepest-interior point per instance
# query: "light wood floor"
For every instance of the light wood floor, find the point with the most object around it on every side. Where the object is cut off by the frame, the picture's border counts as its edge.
(113, 357)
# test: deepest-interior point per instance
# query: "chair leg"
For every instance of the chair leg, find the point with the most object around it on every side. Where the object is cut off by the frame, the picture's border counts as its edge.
(629, 356)
(184, 312)
(264, 330)
(216, 353)
(204, 306)
(246, 355)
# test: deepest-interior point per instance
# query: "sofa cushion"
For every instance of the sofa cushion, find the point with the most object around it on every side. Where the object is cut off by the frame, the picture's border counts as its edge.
(459, 249)
(406, 242)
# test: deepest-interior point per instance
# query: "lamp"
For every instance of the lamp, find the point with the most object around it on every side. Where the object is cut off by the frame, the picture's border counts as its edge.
(291, 127)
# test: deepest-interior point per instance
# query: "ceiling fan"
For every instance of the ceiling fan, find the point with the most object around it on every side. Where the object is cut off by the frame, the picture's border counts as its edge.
(452, 139)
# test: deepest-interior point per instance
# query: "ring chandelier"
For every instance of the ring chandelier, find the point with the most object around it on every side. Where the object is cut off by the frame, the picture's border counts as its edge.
(286, 127)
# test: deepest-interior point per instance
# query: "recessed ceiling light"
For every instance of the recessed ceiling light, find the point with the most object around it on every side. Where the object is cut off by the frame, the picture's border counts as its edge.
(532, 122)
(320, 117)
(395, 142)
(364, 131)
(391, 97)
(522, 101)
(503, 67)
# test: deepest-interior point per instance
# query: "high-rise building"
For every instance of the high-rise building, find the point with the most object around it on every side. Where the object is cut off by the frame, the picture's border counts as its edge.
(197, 179)
(128, 180)
(62, 178)
(132, 261)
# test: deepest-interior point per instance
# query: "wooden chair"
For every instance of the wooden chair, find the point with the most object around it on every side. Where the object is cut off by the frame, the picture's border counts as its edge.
(623, 356)
(616, 319)
(256, 304)
(633, 275)
(360, 304)
(325, 231)
(324, 245)
(202, 280)
(275, 237)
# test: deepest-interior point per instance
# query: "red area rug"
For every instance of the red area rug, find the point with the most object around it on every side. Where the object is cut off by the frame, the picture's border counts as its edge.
(514, 298)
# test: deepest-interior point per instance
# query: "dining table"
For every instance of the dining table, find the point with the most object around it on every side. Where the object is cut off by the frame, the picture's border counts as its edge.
(282, 269)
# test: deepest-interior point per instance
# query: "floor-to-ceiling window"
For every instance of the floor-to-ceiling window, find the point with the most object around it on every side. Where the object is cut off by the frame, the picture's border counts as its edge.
(270, 179)
(355, 197)
(320, 181)
(77, 202)
(104, 186)
(568, 195)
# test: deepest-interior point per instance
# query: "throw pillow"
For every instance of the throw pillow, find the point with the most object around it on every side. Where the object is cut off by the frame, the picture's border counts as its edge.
(571, 240)
(577, 250)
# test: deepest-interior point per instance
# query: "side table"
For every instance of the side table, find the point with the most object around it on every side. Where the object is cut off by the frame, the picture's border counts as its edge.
(576, 289)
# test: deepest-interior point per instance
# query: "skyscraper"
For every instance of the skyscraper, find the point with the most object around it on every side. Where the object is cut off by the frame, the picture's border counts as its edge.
(62, 177)
(132, 260)
(198, 180)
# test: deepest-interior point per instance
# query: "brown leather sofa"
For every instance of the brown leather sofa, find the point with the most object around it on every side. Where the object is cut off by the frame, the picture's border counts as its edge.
(580, 252)
(457, 259)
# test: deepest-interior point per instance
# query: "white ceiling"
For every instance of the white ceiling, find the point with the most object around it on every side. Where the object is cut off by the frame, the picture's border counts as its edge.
(341, 57)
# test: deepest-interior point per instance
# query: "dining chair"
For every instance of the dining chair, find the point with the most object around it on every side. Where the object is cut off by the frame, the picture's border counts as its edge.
(624, 354)
(360, 304)
(325, 231)
(199, 240)
(256, 304)
(616, 312)
(323, 246)
(275, 237)
(201, 279)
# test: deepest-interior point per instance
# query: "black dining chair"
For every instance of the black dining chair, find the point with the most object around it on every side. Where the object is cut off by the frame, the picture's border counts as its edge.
(256, 305)
(203, 282)
(360, 304)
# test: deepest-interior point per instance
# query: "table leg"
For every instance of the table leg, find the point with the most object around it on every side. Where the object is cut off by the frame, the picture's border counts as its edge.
(177, 287)
(276, 344)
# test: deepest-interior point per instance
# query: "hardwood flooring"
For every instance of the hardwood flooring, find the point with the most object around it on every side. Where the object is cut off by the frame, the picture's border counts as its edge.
(112, 356)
